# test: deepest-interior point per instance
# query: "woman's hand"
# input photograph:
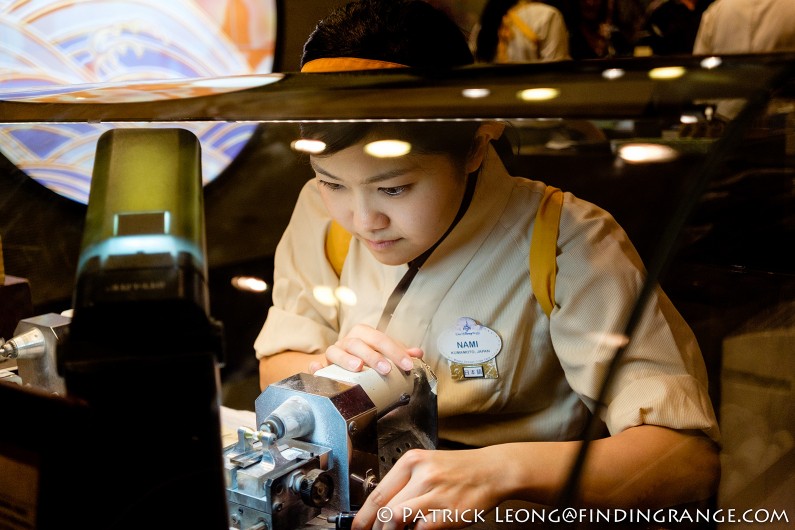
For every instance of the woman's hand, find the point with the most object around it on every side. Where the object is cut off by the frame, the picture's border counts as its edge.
(641, 467)
(365, 345)
(423, 483)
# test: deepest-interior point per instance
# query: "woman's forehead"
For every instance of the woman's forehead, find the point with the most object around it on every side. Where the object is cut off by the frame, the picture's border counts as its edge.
(356, 163)
(356, 160)
(451, 137)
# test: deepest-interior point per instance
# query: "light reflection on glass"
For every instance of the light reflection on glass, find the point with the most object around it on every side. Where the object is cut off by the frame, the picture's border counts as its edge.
(237, 82)
(646, 153)
(250, 284)
(711, 62)
(610, 340)
(345, 295)
(667, 72)
(312, 147)
(325, 295)
(538, 94)
(613, 73)
(334, 297)
(475, 93)
(387, 148)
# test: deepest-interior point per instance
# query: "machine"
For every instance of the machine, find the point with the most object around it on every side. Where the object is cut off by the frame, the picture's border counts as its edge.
(137, 369)
(136, 439)
(33, 349)
(323, 443)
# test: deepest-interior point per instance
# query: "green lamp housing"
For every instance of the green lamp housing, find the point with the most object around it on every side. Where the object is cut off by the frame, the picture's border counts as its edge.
(144, 230)
(142, 351)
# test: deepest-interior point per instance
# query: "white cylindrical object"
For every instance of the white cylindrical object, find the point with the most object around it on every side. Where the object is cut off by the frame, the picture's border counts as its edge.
(383, 390)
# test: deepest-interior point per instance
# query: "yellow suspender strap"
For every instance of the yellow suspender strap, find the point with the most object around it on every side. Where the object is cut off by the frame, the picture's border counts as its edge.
(337, 242)
(544, 248)
(526, 30)
(505, 33)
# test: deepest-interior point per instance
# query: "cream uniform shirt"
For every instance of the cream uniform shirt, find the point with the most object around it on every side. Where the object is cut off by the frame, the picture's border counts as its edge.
(746, 26)
(548, 39)
(551, 35)
(550, 369)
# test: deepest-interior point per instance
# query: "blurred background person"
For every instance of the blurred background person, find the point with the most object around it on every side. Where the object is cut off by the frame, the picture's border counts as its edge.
(603, 28)
(671, 26)
(746, 26)
(511, 31)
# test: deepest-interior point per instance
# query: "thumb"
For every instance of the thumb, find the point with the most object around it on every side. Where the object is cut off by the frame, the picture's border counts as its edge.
(314, 366)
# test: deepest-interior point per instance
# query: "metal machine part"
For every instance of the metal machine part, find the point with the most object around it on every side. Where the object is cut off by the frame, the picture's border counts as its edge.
(33, 348)
(325, 443)
(9, 376)
(270, 486)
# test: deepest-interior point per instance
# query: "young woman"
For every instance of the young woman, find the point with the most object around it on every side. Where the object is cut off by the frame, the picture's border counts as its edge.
(447, 215)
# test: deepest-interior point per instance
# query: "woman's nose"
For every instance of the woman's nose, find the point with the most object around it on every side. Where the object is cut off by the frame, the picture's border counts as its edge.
(366, 218)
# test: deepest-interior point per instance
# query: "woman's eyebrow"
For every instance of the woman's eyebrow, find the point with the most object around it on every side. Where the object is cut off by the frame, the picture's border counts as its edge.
(392, 173)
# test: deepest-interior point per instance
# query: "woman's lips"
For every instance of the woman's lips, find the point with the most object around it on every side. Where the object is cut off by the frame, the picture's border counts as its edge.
(381, 244)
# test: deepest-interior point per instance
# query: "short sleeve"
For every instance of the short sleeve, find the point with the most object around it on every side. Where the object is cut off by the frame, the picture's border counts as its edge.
(297, 321)
(662, 379)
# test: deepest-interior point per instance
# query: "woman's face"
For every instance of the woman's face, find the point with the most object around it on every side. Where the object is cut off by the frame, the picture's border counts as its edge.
(397, 207)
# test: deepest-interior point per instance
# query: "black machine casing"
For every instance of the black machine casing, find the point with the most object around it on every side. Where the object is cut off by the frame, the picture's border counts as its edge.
(143, 354)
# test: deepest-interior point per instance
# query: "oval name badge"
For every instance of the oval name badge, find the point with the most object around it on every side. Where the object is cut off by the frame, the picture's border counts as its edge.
(469, 342)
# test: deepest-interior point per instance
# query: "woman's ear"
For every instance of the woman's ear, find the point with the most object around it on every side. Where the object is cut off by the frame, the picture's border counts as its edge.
(488, 131)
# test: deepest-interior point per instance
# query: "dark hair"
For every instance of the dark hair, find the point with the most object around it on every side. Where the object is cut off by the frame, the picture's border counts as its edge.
(408, 32)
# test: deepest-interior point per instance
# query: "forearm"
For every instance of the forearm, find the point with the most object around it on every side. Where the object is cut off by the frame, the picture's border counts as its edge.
(276, 367)
(643, 466)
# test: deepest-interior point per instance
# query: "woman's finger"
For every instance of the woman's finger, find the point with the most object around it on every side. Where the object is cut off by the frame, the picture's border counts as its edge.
(386, 347)
(376, 512)
(341, 357)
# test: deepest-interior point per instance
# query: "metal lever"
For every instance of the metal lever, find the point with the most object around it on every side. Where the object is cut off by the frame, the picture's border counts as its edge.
(343, 520)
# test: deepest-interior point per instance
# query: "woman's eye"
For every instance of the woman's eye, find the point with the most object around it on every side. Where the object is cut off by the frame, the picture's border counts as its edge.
(393, 192)
(333, 186)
